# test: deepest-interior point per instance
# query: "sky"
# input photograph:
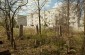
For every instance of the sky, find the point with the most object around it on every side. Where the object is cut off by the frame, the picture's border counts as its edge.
(28, 9)
(53, 2)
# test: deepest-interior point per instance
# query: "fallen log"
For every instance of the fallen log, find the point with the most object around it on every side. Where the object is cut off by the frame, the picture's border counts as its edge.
(6, 52)
(1, 42)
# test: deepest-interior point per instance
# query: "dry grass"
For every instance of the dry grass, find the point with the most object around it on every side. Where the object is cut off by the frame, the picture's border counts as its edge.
(47, 43)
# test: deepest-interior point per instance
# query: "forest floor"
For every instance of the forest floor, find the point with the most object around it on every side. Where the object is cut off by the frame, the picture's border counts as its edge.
(24, 48)
(38, 45)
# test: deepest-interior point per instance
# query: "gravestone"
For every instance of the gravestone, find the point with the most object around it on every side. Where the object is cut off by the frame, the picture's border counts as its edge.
(22, 21)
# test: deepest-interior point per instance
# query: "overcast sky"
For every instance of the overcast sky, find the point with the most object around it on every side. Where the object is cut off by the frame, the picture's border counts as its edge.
(28, 9)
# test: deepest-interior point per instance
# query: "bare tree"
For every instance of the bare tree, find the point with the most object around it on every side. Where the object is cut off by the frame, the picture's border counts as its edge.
(40, 5)
(68, 2)
(79, 12)
(9, 9)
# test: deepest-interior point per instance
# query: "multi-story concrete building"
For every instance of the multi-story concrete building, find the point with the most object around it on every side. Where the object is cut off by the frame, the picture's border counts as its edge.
(49, 17)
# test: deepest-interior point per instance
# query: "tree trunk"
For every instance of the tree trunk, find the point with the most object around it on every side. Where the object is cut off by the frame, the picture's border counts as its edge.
(79, 13)
(83, 45)
(8, 33)
(39, 17)
(68, 1)
(7, 28)
(12, 39)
